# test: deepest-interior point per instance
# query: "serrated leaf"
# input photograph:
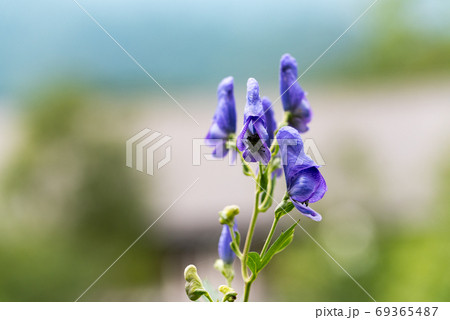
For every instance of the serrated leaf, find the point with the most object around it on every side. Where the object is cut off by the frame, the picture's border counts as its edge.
(279, 245)
(254, 262)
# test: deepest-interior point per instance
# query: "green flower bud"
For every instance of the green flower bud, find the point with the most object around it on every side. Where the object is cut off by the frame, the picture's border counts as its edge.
(246, 169)
(276, 163)
(284, 207)
(226, 216)
(229, 295)
(226, 269)
(194, 286)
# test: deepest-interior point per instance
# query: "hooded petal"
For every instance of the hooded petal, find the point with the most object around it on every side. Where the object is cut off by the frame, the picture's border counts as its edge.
(224, 120)
(292, 95)
(254, 140)
(253, 107)
(226, 108)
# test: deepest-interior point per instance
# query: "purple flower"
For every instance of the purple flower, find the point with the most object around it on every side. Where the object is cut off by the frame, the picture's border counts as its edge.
(253, 140)
(269, 117)
(271, 127)
(225, 252)
(224, 120)
(292, 95)
(304, 182)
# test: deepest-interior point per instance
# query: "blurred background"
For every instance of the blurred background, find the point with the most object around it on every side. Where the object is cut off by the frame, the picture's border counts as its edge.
(70, 98)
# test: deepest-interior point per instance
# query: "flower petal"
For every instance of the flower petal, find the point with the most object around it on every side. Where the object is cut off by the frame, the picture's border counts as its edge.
(264, 150)
(224, 249)
(292, 95)
(290, 90)
(240, 139)
(293, 157)
(226, 109)
(269, 118)
(320, 190)
(307, 211)
(224, 120)
(307, 185)
(301, 116)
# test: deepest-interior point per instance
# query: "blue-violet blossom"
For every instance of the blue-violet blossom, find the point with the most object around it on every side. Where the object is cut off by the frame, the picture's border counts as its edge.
(304, 182)
(224, 120)
(271, 123)
(253, 140)
(292, 95)
(271, 126)
(225, 252)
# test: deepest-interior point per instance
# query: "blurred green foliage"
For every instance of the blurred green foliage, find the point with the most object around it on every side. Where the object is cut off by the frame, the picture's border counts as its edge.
(395, 47)
(403, 263)
(69, 206)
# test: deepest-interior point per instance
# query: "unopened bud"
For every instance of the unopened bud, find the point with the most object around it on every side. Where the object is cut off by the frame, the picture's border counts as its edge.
(194, 286)
(226, 216)
(228, 293)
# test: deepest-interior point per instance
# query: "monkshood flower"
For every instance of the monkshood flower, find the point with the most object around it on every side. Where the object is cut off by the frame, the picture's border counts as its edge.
(225, 252)
(271, 126)
(292, 95)
(253, 140)
(224, 120)
(304, 182)
(271, 123)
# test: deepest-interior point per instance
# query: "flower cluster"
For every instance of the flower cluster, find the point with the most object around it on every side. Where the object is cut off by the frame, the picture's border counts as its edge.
(275, 148)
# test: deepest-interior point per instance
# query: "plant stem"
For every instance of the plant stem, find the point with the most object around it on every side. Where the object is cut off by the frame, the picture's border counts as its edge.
(247, 290)
(269, 237)
(248, 240)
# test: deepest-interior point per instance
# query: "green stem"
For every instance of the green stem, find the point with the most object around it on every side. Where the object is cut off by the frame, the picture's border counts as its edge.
(269, 237)
(247, 290)
(248, 239)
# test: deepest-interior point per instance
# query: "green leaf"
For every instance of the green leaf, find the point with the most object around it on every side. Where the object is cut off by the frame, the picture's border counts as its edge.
(254, 262)
(279, 245)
